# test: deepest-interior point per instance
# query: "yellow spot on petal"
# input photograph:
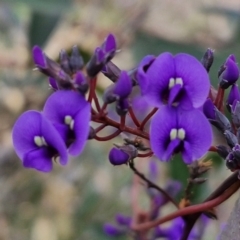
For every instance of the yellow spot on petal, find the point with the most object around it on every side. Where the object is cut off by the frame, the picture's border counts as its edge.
(181, 134)
(171, 83)
(179, 81)
(68, 120)
(173, 134)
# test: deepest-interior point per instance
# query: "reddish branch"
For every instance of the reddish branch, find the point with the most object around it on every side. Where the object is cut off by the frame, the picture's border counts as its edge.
(147, 118)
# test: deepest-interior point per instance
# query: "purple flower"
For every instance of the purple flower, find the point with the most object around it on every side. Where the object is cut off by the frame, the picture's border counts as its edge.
(229, 72)
(123, 220)
(70, 114)
(174, 80)
(37, 142)
(175, 130)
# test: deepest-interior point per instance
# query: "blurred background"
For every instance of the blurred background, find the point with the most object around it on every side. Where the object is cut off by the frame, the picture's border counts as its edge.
(75, 201)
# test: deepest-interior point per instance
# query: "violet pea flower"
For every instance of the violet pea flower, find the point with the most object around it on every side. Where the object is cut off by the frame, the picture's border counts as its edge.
(37, 142)
(70, 113)
(179, 80)
(175, 130)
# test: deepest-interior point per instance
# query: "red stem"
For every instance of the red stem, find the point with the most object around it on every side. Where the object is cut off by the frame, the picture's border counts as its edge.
(145, 120)
(142, 155)
(109, 137)
(98, 129)
(133, 116)
(219, 99)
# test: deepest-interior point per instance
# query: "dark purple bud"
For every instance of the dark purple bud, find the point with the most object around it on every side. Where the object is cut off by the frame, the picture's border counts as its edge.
(234, 95)
(230, 73)
(223, 151)
(76, 61)
(207, 59)
(112, 230)
(236, 113)
(221, 121)
(123, 220)
(81, 83)
(231, 162)
(109, 96)
(122, 107)
(209, 109)
(122, 154)
(111, 71)
(53, 83)
(64, 61)
(236, 153)
(231, 138)
(96, 63)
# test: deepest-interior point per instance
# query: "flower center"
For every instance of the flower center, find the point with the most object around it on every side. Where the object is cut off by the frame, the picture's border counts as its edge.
(40, 141)
(177, 133)
(68, 120)
(175, 81)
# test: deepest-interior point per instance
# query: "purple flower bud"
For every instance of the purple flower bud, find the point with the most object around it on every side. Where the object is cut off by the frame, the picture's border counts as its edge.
(64, 61)
(209, 109)
(112, 230)
(81, 83)
(76, 62)
(223, 151)
(122, 154)
(236, 113)
(123, 86)
(111, 71)
(123, 220)
(230, 73)
(221, 121)
(102, 56)
(122, 107)
(231, 138)
(53, 83)
(234, 95)
(207, 59)
(39, 57)
(37, 142)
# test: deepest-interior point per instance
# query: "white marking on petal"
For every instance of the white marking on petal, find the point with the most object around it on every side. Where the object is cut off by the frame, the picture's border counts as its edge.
(173, 134)
(171, 83)
(181, 134)
(68, 119)
(40, 141)
(72, 125)
(179, 80)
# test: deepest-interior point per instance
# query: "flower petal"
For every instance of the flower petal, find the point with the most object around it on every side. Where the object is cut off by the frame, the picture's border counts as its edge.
(198, 133)
(172, 146)
(39, 57)
(195, 78)
(27, 126)
(81, 129)
(40, 159)
(164, 120)
(159, 73)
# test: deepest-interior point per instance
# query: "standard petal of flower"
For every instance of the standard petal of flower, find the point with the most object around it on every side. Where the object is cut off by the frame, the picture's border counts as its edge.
(198, 132)
(195, 78)
(63, 103)
(81, 130)
(27, 126)
(39, 159)
(159, 74)
(164, 120)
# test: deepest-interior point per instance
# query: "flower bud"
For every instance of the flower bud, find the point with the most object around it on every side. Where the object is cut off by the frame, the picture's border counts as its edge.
(234, 95)
(207, 59)
(222, 151)
(122, 107)
(236, 113)
(231, 138)
(53, 83)
(111, 71)
(112, 230)
(76, 62)
(81, 83)
(221, 121)
(209, 109)
(64, 61)
(123, 220)
(229, 73)
(122, 154)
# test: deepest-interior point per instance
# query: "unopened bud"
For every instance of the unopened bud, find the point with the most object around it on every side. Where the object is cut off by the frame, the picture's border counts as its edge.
(231, 138)
(76, 62)
(207, 59)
